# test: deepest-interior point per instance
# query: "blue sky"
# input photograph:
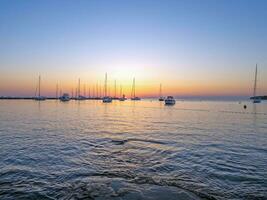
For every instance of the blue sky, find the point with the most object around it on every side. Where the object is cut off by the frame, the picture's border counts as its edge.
(187, 42)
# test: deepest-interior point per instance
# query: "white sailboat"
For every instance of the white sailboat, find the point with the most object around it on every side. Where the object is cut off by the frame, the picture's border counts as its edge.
(161, 98)
(133, 97)
(39, 97)
(79, 96)
(106, 98)
(255, 98)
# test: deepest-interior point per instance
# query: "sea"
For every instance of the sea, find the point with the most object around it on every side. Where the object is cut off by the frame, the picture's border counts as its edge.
(133, 150)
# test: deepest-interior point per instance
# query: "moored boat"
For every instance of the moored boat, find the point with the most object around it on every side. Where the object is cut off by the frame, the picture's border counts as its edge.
(255, 98)
(39, 97)
(170, 100)
(134, 98)
(65, 97)
(106, 99)
(123, 98)
(80, 97)
(161, 98)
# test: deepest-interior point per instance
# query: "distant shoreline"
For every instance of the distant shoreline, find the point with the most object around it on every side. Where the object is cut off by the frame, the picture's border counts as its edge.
(183, 98)
(47, 98)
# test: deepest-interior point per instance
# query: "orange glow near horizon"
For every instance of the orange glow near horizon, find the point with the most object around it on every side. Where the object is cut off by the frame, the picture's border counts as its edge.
(145, 87)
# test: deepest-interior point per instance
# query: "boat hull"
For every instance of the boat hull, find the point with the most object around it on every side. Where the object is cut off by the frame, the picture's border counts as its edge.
(170, 102)
(40, 99)
(256, 101)
(107, 100)
(64, 100)
(135, 99)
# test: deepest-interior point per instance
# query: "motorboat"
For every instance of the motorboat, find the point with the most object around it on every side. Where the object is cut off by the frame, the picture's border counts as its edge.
(256, 100)
(65, 97)
(107, 99)
(169, 100)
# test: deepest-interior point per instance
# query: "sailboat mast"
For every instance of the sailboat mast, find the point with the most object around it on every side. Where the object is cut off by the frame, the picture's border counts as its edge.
(134, 86)
(120, 91)
(115, 89)
(57, 91)
(160, 92)
(255, 82)
(93, 95)
(39, 93)
(99, 89)
(106, 78)
(79, 84)
(96, 90)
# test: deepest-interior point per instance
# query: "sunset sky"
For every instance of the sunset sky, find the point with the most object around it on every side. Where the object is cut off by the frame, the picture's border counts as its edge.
(194, 48)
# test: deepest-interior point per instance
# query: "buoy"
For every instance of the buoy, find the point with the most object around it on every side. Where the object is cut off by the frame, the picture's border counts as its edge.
(245, 106)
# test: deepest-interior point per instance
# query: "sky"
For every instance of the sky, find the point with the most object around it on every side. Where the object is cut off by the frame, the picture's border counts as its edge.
(191, 47)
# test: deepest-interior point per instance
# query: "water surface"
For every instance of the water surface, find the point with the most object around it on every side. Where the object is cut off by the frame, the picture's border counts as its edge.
(132, 150)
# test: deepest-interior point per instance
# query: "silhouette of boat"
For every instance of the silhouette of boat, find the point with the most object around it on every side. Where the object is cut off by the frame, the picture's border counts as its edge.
(39, 97)
(170, 100)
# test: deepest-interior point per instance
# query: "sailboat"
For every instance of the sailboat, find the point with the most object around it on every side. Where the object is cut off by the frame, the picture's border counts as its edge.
(133, 97)
(39, 97)
(79, 96)
(161, 98)
(255, 98)
(122, 96)
(106, 98)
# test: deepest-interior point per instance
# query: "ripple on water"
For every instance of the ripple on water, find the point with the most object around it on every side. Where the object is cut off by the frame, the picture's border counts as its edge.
(132, 151)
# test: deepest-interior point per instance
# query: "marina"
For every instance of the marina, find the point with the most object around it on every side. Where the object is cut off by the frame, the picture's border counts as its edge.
(133, 100)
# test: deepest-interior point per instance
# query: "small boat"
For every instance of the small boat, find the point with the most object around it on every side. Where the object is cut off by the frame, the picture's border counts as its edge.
(161, 98)
(123, 98)
(80, 97)
(255, 98)
(65, 97)
(257, 101)
(134, 98)
(169, 101)
(106, 99)
(39, 97)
